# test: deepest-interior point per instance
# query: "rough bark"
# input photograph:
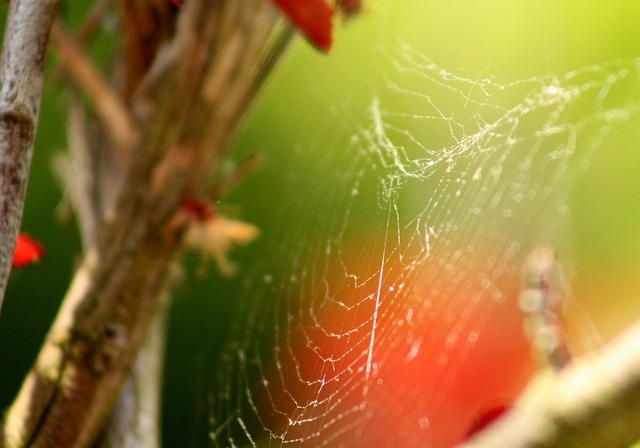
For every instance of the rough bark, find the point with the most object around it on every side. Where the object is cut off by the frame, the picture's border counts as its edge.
(186, 106)
(22, 79)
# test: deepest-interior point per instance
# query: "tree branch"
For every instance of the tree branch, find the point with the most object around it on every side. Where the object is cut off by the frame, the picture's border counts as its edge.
(594, 402)
(184, 128)
(135, 419)
(110, 107)
(22, 78)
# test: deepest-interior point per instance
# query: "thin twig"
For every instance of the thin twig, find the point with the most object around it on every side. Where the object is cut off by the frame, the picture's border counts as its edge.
(93, 20)
(146, 25)
(76, 173)
(542, 302)
(109, 106)
(87, 29)
(243, 168)
(22, 78)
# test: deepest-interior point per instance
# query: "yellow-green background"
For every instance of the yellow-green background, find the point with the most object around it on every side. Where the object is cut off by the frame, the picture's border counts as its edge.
(512, 39)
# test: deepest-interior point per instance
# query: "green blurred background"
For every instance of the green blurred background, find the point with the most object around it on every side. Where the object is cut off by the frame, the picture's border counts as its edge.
(312, 94)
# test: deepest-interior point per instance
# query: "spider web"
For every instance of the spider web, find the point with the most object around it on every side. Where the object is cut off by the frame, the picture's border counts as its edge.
(385, 313)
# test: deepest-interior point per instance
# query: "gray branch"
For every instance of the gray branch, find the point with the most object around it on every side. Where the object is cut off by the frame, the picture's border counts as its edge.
(22, 78)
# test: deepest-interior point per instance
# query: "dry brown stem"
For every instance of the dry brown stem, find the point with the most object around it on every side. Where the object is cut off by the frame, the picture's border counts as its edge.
(187, 99)
(110, 107)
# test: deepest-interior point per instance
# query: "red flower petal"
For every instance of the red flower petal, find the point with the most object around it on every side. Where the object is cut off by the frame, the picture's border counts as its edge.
(312, 17)
(27, 251)
(487, 418)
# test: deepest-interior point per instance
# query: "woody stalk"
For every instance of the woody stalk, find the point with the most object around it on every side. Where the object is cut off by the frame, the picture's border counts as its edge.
(155, 134)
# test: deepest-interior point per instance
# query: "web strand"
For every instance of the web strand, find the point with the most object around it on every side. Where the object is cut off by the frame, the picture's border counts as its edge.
(399, 258)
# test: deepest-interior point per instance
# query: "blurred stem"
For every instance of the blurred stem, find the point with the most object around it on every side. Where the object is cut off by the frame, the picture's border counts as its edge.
(136, 416)
(187, 103)
(22, 78)
(110, 107)
(592, 402)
